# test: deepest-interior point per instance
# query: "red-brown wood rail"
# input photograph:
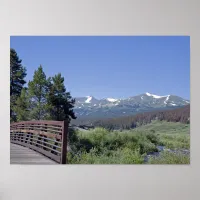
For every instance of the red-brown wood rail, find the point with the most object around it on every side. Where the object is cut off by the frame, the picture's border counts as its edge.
(46, 137)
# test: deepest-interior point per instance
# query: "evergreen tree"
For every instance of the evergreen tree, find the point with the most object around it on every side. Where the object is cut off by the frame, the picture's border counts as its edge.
(38, 89)
(60, 102)
(22, 106)
(17, 75)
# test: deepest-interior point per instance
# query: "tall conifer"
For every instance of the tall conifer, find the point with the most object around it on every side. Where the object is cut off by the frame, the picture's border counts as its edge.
(17, 76)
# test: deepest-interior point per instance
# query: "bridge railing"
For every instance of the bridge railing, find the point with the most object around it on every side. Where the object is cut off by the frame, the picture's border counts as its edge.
(46, 137)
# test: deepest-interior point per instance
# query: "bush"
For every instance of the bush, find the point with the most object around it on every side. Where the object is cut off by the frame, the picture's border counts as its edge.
(100, 146)
(121, 156)
(170, 158)
(175, 141)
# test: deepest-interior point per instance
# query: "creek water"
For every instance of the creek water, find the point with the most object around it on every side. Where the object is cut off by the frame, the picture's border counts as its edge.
(163, 148)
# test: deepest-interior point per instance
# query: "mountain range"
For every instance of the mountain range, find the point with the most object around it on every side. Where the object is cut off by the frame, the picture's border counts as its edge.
(90, 107)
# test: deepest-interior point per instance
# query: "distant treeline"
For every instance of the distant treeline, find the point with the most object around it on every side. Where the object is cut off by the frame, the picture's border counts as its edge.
(177, 115)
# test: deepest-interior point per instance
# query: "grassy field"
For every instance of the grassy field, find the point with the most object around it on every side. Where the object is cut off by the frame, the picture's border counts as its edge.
(99, 146)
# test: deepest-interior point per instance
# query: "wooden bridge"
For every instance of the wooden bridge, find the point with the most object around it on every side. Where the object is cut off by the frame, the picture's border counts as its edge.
(38, 142)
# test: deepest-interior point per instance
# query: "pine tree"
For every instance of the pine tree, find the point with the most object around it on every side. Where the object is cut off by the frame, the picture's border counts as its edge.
(22, 106)
(38, 89)
(17, 75)
(60, 102)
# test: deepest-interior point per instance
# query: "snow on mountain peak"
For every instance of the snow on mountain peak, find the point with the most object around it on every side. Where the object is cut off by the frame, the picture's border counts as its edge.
(186, 101)
(112, 100)
(155, 96)
(165, 102)
(89, 98)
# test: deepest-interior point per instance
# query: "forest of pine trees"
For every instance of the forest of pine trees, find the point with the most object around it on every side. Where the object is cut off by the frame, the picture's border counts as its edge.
(177, 115)
(42, 99)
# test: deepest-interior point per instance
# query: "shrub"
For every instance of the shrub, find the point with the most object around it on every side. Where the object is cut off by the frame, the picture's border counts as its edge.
(121, 156)
(170, 158)
(100, 146)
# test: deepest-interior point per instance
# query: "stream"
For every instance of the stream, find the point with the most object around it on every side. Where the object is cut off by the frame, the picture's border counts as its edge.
(163, 148)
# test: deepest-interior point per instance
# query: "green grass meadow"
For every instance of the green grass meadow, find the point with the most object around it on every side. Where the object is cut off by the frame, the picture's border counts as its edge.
(100, 146)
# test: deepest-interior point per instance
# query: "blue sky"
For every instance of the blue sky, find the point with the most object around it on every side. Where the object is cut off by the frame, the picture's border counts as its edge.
(107, 66)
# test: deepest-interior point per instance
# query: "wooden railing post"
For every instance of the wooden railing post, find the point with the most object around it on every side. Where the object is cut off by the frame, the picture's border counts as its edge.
(64, 142)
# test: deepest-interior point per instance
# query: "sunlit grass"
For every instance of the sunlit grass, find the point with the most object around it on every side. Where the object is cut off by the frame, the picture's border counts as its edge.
(100, 146)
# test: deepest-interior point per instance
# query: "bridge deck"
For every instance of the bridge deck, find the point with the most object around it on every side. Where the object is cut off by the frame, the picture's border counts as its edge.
(23, 155)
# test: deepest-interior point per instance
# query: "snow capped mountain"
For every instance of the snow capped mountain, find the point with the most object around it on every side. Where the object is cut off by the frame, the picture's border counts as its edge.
(155, 96)
(112, 100)
(159, 97)
(88, 100)
(89, 106)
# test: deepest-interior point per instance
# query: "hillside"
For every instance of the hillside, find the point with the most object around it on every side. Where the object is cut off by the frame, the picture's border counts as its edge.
(176, 115)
